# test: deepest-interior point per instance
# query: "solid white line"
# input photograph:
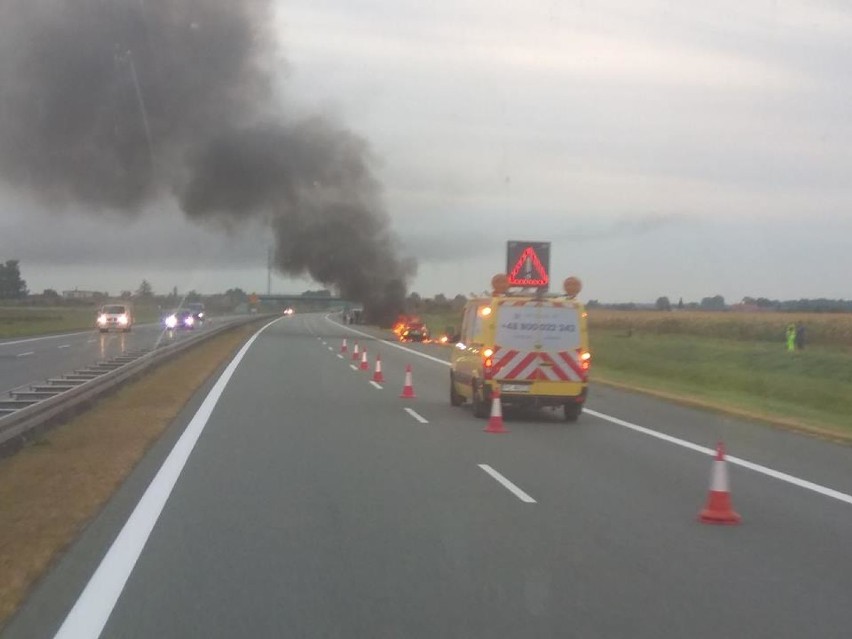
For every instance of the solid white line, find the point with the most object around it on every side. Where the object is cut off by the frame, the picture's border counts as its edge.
(353, 367)
(27, 354)
(36, 339)
(758, 468)
(414, 414)
(95, 604)
(394, 344)
(517, 492)
(376, 384)
(340, 356)
(64, 346)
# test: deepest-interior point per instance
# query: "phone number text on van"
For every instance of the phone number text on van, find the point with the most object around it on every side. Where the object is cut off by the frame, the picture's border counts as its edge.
(562, 328)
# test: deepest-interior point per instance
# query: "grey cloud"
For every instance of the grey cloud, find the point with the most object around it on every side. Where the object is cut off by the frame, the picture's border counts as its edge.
(111, 104)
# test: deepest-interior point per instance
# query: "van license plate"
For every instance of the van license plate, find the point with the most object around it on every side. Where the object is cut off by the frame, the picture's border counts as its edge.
(515, 388)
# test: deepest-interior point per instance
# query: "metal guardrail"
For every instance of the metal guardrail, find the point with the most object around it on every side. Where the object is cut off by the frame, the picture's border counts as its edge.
(30, 410)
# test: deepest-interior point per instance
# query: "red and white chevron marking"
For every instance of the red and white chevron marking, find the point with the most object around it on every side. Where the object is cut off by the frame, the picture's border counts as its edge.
(562, 366)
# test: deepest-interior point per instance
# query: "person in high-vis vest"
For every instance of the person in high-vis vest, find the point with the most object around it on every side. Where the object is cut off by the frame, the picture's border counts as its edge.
(791, 337)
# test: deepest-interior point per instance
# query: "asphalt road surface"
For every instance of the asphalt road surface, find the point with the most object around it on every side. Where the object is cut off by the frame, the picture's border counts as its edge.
(35, 359)
(308, 502)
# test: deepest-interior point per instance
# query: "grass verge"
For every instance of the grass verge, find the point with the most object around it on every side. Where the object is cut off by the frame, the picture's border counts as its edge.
(810, 390)
(24, 321)
(50, 490)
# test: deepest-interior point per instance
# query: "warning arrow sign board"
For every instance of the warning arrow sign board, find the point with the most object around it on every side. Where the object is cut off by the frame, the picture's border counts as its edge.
(528, 264)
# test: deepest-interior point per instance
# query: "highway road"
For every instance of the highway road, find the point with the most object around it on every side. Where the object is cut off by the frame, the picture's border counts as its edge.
(34, 359)
(293, 498)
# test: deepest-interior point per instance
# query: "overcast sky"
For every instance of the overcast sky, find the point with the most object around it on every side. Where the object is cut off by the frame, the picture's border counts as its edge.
(678, 148)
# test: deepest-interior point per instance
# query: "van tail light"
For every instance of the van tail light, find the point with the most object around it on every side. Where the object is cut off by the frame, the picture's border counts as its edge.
(488, 362)
(585, 359)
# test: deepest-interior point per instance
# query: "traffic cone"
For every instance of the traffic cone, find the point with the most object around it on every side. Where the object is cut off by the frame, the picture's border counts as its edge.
(408, 389)
(364, 364)
(343, 347)
(718, 509)
(377, 375)
(495, 422)
(355, 352)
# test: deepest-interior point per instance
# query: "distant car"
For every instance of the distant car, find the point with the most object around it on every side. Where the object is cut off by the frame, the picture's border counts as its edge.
(289, 311)
(197, 309)
(115, 317)
(182, 318)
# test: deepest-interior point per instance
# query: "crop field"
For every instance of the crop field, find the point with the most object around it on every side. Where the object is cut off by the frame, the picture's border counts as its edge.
(824, 329)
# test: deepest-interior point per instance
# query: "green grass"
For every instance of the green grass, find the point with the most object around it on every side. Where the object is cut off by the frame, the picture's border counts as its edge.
(813, 387)
(23, 321)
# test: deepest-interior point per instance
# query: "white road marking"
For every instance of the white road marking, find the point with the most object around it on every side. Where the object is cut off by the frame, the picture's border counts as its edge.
(758, 468)
(376, 384)
(64, 346)
(91, 341)
(95, 604)
(340, 356)
(416, 416)
(36, 339)
(737, 461)
(330, 349)
(353, 367)
(517, 492)
(27, 354)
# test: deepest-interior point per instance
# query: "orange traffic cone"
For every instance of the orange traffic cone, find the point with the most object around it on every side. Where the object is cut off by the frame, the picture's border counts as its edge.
(343, 347)
(355, 352)
(408, 389)
(718, 509)
(377, 374)
(364, 364)
(495, 422)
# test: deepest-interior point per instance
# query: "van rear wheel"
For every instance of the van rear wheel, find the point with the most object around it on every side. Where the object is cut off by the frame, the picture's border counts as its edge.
(480, 404)
(455, 398)
(572, 411)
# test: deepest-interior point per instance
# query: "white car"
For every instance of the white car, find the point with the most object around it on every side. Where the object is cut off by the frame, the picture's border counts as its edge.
(117, 317)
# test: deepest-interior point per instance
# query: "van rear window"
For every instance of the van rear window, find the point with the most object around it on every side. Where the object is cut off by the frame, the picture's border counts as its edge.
(113, 310)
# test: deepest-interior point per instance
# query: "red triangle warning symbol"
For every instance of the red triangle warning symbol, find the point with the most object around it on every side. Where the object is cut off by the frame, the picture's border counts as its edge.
(528, 270)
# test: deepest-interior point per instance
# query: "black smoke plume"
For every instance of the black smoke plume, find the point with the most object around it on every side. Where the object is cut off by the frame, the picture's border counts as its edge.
(114, 103)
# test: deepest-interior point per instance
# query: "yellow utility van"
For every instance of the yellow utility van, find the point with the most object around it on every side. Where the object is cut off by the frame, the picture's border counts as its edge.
(534, 347)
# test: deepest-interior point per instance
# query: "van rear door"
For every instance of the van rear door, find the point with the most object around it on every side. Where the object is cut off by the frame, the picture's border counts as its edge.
(537, 340)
